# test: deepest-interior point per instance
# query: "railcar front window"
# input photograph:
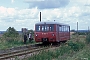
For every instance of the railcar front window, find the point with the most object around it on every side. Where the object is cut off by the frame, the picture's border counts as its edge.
(51, 27)
(44, 27)
(47, 28)
(37, 28)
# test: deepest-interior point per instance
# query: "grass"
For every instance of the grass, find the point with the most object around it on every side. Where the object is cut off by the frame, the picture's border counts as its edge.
(83, 54)
(75, 51)
(4, 44)
(65, 52)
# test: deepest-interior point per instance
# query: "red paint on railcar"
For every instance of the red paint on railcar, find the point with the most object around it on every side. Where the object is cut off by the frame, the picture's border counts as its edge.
(51, 32)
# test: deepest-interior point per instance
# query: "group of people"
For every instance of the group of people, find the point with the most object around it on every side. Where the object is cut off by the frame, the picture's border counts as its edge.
(28, 37)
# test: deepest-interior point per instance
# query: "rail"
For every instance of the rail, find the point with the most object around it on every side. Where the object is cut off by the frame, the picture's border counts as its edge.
(19, 53)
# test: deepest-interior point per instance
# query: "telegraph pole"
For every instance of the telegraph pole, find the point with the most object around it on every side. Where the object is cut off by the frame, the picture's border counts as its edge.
(77, 31)
(77, 27)
(40, 16)
(88, 28)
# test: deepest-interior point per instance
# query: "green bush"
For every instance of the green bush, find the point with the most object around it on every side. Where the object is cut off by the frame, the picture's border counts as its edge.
(11, 32)
(63, 49)
(76, 46)
(88, 38)
(80, 33)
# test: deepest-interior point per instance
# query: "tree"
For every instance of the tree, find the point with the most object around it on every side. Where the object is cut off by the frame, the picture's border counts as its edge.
(11, 32)
(72, 30)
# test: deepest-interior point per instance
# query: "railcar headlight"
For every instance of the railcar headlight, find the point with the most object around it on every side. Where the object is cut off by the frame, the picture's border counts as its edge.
(36, 35)
(52, 34)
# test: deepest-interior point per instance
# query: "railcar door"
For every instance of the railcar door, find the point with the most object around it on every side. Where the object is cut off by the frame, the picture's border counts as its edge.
(61, 33)
(57, 33)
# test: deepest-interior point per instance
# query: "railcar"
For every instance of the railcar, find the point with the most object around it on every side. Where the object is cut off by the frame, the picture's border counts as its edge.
(51, 32)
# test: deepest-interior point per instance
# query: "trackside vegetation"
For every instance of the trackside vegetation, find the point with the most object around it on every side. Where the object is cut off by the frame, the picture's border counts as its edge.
(72, 50)
(11, 38)
(64, 51)
(88, 38)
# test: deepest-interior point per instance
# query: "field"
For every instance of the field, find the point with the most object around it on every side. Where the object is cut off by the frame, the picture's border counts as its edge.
(74, 49)
(6, 43)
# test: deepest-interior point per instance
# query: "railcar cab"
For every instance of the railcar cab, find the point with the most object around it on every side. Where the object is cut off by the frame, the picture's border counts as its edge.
(45, 32)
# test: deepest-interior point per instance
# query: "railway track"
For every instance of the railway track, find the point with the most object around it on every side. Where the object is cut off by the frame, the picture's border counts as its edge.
(19, 51)
(23, 50)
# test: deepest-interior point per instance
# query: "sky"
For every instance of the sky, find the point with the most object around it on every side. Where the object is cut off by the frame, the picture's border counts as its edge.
(25, 13)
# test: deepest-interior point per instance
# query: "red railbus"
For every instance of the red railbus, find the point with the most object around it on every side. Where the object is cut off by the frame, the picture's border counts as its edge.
(51, 32)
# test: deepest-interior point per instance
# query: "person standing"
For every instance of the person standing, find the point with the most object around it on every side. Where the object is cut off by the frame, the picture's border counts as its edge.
(30, 37)
(25, 39)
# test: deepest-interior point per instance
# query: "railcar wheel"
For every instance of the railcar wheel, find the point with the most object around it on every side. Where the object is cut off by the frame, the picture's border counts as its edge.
(46, 43)
(64, 41)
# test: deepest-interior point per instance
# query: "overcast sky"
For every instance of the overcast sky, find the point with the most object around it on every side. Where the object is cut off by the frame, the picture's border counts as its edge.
(25, 13)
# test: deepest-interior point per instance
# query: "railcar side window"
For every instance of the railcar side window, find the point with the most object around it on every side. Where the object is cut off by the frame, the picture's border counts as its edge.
(60, 28)
(67, 29)
(63, 28)
(37, 27)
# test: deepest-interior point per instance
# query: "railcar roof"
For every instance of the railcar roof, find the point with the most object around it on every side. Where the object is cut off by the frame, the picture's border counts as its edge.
(50, 23)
